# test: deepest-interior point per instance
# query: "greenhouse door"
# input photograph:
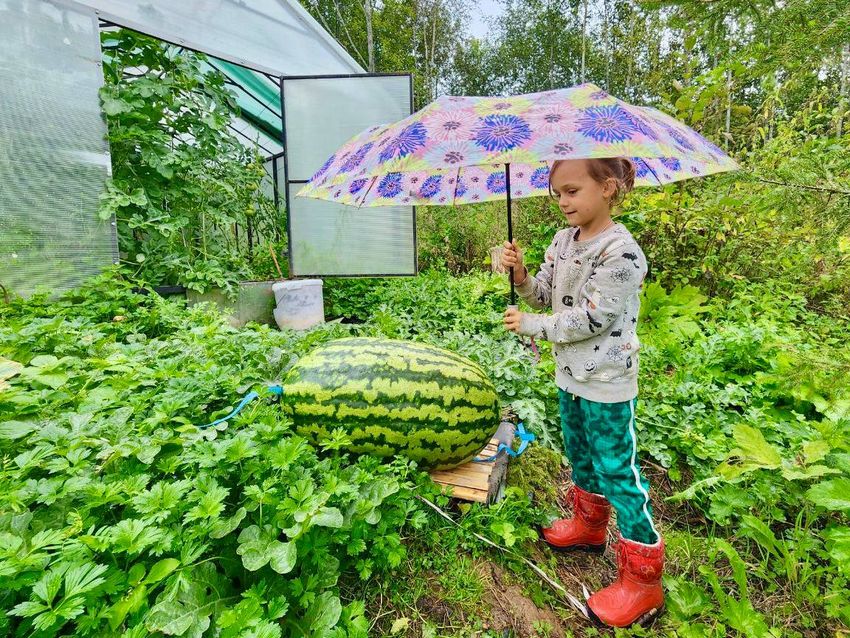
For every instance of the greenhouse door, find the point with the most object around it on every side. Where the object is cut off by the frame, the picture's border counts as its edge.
(321, 113)
(54, 159)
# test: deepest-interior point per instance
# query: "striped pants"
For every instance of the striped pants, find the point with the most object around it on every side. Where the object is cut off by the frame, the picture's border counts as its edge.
(600, 442)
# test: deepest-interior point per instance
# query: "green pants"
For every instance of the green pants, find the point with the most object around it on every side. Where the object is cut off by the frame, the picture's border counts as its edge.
(600, 442)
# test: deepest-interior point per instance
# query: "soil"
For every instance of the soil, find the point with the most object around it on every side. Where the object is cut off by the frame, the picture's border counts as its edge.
(514, 611)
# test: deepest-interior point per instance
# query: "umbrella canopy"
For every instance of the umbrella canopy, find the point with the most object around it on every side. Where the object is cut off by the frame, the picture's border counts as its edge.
(460, 150)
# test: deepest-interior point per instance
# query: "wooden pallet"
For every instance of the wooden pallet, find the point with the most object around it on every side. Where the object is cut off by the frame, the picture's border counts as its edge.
(478, 482)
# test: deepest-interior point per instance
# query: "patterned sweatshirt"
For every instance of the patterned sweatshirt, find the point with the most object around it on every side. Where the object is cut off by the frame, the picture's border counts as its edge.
(592, 287)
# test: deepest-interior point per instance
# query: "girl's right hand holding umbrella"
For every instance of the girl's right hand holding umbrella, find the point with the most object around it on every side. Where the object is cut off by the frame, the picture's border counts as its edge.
(512, 258)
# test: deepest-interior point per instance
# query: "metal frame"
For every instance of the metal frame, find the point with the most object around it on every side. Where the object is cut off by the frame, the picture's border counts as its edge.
(98, 51)
(241, 134)
(228, 80)
(301, 13)
(287, 182)
(276, 180)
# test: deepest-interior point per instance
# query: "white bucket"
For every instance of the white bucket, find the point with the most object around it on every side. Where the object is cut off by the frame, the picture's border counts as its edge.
(299, 303)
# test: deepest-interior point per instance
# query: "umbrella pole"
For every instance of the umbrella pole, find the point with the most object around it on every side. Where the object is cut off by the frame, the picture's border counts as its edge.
(510, 227)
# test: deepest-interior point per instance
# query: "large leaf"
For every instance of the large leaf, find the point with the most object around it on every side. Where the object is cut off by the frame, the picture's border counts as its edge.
(324, 614)
(686, 599)
(15, 429)
(838, 545)
(83, 578)
(259, 547)
(282, 556)
(223, 527)
(753, 452)
(832, 495)
(173, 618)
(253, 549)
(127, 605)
(161, 569)
(328, 517)
(8, 369)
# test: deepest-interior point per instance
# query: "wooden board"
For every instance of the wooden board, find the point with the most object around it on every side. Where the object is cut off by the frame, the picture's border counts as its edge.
(477, 482)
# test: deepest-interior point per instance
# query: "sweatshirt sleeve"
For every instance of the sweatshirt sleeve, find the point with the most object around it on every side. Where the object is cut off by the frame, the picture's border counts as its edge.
(618, 275)
(537, 290)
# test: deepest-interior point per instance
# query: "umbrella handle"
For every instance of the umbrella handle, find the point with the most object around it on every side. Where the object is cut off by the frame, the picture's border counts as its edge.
(510, 226)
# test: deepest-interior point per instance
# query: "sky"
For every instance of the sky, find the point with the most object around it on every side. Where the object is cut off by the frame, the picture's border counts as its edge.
(484, 8)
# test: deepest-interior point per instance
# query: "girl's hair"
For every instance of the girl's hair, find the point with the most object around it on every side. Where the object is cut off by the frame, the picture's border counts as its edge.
(601, 169)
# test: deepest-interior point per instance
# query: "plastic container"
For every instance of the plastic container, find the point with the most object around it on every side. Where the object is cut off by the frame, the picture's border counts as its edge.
(299, 304)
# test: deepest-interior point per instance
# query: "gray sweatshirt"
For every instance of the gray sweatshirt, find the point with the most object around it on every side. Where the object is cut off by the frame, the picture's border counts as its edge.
(592, 287)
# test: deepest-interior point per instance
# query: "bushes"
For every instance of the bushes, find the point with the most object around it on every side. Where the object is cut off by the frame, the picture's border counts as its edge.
(784, 221)
(120, 517)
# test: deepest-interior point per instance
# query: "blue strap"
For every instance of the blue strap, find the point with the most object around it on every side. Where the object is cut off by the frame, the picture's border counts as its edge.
(273, 389)
(524, 437)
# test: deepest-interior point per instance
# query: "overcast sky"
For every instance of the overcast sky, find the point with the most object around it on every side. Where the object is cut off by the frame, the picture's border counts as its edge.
(484, 8)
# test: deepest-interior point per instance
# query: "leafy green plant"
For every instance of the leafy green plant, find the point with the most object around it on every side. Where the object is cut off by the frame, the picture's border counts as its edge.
(247, 530)
(181, 181)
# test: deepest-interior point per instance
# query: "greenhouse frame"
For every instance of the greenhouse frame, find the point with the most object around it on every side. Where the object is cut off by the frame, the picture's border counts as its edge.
(300, 97)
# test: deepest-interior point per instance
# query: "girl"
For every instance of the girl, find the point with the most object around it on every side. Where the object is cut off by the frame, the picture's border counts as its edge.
(591, 277)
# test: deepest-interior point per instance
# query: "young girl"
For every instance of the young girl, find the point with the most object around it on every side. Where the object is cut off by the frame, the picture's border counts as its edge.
(591, 277)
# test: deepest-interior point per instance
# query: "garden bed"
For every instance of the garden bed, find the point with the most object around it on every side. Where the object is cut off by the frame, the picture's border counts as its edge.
(108, 483)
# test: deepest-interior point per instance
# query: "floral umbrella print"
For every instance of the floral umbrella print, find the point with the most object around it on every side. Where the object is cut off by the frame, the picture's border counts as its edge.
(460, 150)
(450, 151)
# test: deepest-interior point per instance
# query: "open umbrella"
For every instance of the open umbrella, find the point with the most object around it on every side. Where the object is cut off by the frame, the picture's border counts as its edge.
(460, 150)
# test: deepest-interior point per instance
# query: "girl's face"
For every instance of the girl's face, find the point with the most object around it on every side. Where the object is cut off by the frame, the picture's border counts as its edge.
(581, 198)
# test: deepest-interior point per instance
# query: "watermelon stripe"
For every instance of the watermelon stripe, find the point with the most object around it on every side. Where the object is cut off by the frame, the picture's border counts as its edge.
(430, 353)
(382, 390)
(405, 428)
(422, 415)
(338, 373)
(392, 365)
(439, 353)
(366, 441)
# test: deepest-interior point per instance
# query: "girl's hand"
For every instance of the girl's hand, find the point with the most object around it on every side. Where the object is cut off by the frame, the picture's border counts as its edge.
(512, 319)
(512, 257)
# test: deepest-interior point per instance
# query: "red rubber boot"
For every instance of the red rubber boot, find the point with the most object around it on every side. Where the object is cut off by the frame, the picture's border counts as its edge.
(587, 530)
(636, 596)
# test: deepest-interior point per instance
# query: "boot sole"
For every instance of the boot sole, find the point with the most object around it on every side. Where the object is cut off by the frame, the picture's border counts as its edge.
(645, 620)
(590, 549)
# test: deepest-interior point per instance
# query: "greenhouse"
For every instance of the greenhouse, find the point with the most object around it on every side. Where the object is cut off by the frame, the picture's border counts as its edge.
(55, 160)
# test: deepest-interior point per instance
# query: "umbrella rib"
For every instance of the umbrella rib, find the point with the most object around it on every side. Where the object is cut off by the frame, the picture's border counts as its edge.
(368, 190)
(652, 170)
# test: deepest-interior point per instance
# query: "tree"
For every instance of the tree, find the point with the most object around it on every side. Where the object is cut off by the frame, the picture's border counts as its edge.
(417, 36)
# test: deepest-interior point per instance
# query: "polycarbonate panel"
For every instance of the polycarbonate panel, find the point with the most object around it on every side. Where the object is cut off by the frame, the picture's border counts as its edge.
(278, 36)
(326, 239)
(253, 138)
(324, 113)
(54, 159)
(273, 166)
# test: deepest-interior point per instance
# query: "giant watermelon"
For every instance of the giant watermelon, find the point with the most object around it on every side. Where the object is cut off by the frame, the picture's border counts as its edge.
(394, 398)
